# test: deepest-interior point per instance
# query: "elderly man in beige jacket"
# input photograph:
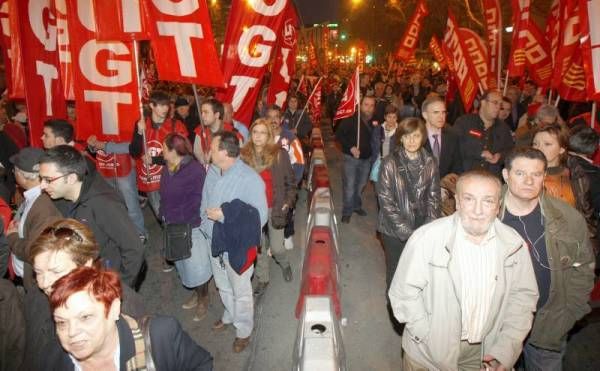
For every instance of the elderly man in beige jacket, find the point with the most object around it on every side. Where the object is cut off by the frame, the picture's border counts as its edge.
(465, 286)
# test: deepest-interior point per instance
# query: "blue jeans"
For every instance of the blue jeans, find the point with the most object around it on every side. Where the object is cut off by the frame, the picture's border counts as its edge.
(354, 178)
(538, 359)
(128, 188)
(236, 295)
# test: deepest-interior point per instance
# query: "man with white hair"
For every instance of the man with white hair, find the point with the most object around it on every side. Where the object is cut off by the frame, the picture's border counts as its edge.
(465, 286)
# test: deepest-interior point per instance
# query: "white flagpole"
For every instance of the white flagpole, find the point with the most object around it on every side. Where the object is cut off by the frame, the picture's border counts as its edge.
(593, 118)
(357, 102)
(505, 84)
(136, 57)
(307, 101)
(557, 100)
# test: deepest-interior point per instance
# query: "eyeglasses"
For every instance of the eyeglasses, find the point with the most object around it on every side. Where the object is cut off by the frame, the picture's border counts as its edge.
(48, 180)
(64, 233)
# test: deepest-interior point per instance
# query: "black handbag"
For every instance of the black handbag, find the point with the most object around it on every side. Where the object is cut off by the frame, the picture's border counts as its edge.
(178, 241)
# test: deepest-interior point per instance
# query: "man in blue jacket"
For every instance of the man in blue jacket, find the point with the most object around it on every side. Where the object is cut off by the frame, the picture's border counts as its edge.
(228, 179)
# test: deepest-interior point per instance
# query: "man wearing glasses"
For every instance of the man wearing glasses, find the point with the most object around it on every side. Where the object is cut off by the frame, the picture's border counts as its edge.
(63, 174)
(561, 253)
(483, 137)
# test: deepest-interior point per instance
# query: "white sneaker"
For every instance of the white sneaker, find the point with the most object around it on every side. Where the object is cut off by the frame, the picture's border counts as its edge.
(288, 243)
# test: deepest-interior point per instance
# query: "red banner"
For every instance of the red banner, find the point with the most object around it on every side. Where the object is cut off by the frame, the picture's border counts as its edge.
(64, 49)
(553, 28)
(409, 40)
(11, 50)
(123, 20)
(106, 90)
(285, 58)
(537, 54)
(590, 45)
(478, 55)
(436, 50)
(572, 83)
(517, 60)
(43, 88)
(350, 100)
(493, 27)
(314, 103)
(464, 71)
(252, 31)
(183, 42)
(568, 44)
(312, 56)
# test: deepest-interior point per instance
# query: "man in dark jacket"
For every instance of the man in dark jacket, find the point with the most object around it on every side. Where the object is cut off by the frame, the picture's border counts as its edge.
(442, 142)
(483, 138)
(295, 120)
(357, 156)
(93, 202)
(561, 253)
(108, 334)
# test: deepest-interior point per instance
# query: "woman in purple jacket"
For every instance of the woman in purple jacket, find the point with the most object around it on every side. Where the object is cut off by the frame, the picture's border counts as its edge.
(181, 185)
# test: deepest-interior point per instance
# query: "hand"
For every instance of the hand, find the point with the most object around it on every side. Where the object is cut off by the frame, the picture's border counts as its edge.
(491, 158)
(214, 213)
(490, 363)
(294, 130)
(92, 141)
(13, 227)
(141, 126)
(147, 159)
(355, 152)
(285, 207)
(487, 155)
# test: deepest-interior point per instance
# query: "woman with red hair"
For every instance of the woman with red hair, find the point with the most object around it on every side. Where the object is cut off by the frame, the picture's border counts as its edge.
(86, 305)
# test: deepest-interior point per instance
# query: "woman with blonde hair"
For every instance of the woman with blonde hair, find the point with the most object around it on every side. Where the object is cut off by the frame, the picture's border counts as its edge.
(62, 247)
(272, 163)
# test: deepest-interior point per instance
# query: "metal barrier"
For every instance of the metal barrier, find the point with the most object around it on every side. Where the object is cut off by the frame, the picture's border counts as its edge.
(319, 343)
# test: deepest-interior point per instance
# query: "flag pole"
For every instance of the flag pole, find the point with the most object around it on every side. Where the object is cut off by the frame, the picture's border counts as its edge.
(505, 84)
(557, 100)
(500, 57)
(136, 57)
(201, 137)
(307, 101)
(549, 96)
(357, 102)
(593, 118)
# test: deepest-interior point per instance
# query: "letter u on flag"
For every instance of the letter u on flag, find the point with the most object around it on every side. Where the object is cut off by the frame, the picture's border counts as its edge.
(409, 40)
(350, 100)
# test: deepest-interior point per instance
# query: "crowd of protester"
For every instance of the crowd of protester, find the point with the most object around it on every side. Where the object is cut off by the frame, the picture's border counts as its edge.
(488, 221)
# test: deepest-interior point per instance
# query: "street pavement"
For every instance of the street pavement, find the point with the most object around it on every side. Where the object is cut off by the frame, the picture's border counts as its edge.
(369, 340)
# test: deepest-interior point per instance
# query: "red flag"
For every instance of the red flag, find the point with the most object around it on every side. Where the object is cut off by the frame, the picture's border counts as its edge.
(350, 100)
(409, 40)
(251, 34)
(64, 49)
(285, 58)
(183, 42)
(553, 28)
(436, 50)
(464, 70)
(537, 54)
(590, 45)
(478, 56)
(568, 42)
(517, 60)
(106, 90)
(303, 86)
(43, 88)
(314, 103)
(312, 56)
(124, 20)
(11, 50)
(572, 84)
(493, 23)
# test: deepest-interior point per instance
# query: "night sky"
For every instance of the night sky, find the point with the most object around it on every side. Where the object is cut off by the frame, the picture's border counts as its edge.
(318, 11)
